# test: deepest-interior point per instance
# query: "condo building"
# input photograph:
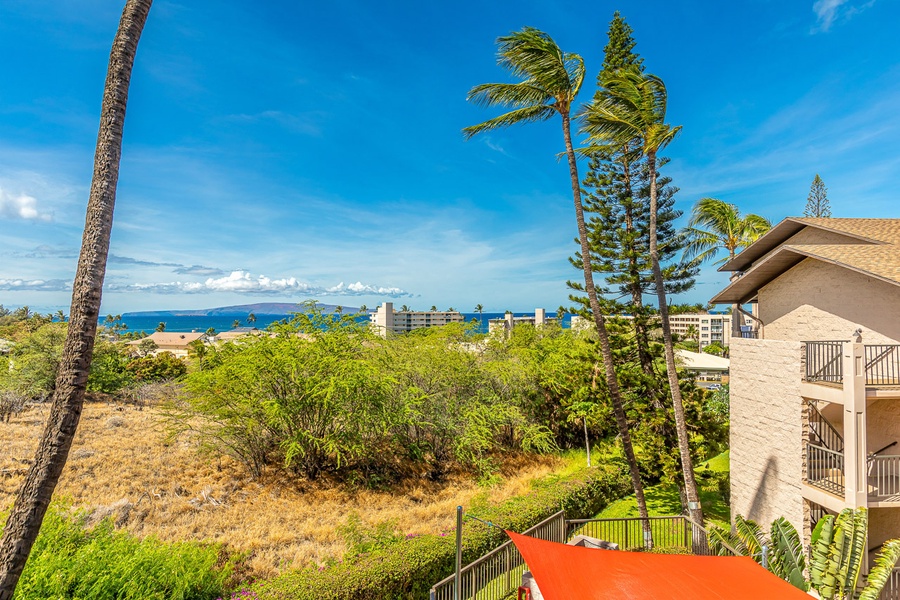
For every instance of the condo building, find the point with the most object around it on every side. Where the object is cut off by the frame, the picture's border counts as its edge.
(815, 395)
(385, 319)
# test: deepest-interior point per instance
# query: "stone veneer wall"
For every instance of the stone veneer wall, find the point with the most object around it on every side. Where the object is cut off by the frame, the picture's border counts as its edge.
(820, 301)
(767, 422)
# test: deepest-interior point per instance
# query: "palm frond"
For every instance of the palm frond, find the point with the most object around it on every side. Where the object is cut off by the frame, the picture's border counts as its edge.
(701, 245)
(508, 94)
(532, 54)
(751, 536)
(515, 117)
(787, 559)
(881, 572)
(724, 543)
(822, 537)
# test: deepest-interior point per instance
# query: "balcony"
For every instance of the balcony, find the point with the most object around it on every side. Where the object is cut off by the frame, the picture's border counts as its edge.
(825, 469)
(825, 363)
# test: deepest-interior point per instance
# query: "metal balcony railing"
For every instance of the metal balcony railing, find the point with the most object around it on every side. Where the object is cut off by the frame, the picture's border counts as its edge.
(822, 432)
(825, 469)
(824, 361)
(884, 475)
(882, 364)
(891, 590)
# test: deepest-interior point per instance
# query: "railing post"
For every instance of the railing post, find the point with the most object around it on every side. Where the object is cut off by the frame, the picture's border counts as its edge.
(855, 453)
(456, 582)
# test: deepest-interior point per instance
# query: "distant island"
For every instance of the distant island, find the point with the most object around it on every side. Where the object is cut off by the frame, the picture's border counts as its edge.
(242, 310)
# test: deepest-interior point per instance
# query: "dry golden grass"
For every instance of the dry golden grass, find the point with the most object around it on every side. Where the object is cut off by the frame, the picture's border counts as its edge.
(120, 466)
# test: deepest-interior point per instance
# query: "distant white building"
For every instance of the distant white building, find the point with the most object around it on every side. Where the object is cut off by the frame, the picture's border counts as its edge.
(509, 321)
(386, 319)
(709, 327)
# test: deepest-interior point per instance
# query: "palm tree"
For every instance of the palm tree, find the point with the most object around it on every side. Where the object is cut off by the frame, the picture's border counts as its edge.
(161, 327)
(630, 110)
(236, 323)
(251, 318)
(480, 310)
(31, 504)
(404, 308)
(718, 225)
(550, 81)
(693, 334)
(433, 308)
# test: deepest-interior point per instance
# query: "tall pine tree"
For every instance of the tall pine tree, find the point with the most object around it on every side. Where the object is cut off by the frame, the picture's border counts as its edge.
(617, 193)
(617, 199)
(817, 204)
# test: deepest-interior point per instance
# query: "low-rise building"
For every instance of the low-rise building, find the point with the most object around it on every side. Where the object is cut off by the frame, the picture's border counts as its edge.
(707, 368)
(385, 319)
(170, 341)
(509, 320)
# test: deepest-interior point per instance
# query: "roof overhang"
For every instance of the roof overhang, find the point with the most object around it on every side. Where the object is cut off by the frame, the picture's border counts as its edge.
(777, 236)
(745, 288)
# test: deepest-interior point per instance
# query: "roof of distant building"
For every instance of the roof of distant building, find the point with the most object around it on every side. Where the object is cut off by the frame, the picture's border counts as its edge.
(167, 338)
(701, 361)
(868, 246)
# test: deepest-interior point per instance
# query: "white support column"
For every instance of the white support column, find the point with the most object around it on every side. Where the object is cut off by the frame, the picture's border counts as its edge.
(856, 486)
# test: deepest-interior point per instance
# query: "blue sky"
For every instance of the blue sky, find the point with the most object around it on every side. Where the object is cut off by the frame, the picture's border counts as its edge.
(278, 151)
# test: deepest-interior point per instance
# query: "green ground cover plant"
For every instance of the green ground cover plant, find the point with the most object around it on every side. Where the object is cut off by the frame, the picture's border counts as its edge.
(72, 560)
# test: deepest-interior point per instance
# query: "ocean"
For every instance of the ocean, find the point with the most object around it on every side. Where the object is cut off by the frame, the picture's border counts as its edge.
(226, 322)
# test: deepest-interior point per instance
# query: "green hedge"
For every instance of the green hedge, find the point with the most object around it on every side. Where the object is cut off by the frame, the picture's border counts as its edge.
(408, 569)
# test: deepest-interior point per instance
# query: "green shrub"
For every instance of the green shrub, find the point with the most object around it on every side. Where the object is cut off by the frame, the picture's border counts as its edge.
(408, 569)
(70, 560)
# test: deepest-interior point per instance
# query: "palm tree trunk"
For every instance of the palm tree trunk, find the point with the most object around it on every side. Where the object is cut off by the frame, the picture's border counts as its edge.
(612, 382)
(687, 466)
(31, 504)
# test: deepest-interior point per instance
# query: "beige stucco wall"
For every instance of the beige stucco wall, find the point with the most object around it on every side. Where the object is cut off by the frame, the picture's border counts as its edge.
(766, 431)
(884, 524)
(883, 425)
(819, 301)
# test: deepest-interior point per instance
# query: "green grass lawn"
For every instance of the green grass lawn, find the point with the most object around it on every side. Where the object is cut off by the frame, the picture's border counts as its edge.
(664, 500)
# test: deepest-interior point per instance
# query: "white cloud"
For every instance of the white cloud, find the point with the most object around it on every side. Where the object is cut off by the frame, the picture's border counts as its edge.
(21, 207)
(243, 282)
(827, 12)
(361, 289)
(34, 285)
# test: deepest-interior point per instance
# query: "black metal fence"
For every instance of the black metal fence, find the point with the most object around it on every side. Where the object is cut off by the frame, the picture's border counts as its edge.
(498, 574)
(882, 364)
(824, 361)
(825, 469)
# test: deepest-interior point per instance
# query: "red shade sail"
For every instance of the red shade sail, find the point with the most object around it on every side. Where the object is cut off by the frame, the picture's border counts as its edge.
(565, 572)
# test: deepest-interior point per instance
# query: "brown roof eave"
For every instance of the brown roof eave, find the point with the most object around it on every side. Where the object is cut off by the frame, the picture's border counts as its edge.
(746, 287)
(780, 234)
(766, 243)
